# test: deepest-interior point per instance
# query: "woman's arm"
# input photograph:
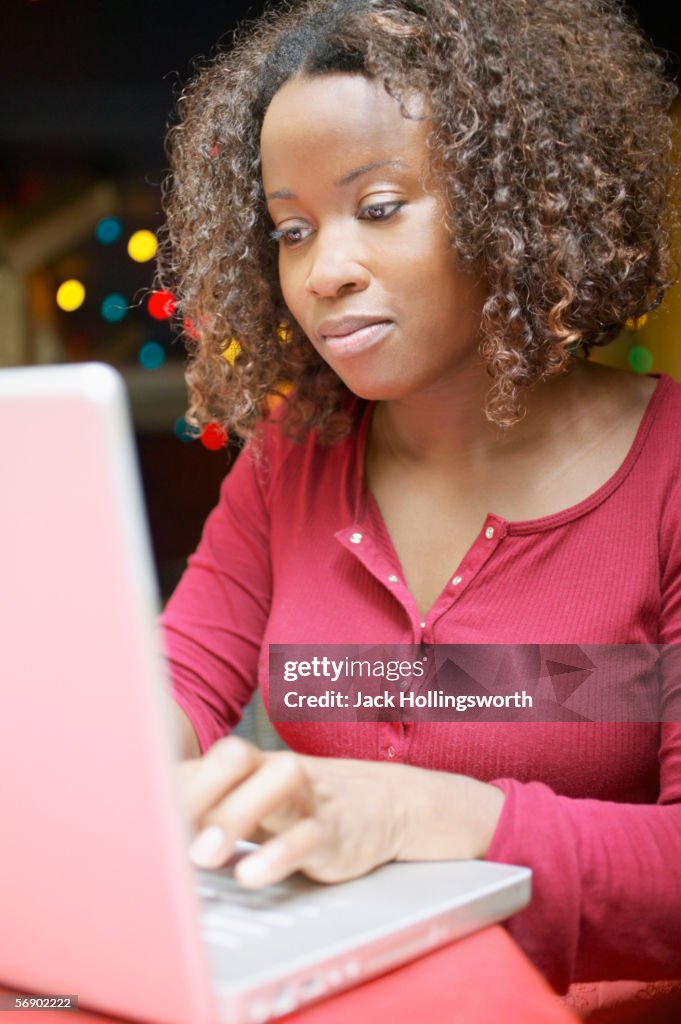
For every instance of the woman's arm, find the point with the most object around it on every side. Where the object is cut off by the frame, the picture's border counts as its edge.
(606, 886)
(213, 624)
(332, 818)
(188, 741)
(606, 876)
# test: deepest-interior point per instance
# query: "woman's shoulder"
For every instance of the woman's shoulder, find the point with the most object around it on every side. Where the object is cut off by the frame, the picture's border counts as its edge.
(276, 448)
(646, 412)
(654, 458)
(637, 408)
(656, 403)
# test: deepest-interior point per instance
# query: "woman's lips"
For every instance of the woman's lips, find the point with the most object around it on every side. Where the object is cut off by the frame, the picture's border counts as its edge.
(358, 340)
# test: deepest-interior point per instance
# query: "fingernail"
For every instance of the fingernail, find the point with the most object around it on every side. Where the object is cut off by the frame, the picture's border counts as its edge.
(207, 846)
(254, 870)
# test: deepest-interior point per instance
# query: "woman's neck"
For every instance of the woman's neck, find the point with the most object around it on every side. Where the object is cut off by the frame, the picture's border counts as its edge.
(442, 423)
(450, 426)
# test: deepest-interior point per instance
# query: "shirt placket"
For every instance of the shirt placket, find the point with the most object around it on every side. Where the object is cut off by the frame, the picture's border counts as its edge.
(394, 736)
(491, 535)
(393, 739)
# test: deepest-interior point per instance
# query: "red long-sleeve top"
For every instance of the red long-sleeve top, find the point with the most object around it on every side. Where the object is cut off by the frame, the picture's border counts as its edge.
(296, 552)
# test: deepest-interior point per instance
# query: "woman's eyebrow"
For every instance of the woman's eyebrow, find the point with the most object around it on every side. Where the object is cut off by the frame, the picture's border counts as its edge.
(365, 168)
(346, 179)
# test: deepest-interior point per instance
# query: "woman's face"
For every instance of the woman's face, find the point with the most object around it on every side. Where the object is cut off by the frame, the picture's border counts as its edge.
(365, 260)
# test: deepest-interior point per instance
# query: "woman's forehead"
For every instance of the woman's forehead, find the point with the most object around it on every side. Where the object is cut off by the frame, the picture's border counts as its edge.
(336, 113)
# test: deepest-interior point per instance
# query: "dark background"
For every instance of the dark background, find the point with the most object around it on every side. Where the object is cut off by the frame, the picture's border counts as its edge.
(101, 75)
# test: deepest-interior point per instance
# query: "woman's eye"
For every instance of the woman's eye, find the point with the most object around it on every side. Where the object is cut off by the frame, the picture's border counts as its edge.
(290, 236)
(299, 232)
(379, 211)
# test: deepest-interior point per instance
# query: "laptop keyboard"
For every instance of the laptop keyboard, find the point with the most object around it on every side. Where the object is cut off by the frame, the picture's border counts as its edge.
(232, 915)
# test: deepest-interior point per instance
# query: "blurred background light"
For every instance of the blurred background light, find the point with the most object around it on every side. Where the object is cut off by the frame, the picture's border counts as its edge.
(142, 246)
(641, 359)
(109, 230)
(190, 329)
(151, 355)
(213, 437)
(182, 430)
(161, 305)
(232, 352)
(70, 295)
(114, 308)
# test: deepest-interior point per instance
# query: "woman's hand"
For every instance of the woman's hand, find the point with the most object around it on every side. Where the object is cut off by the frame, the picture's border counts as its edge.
(331, 818)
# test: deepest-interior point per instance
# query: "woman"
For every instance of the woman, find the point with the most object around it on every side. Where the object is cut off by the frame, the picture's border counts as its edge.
(446, 204)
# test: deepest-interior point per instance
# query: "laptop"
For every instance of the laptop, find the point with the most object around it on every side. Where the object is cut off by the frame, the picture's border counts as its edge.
(97, 894)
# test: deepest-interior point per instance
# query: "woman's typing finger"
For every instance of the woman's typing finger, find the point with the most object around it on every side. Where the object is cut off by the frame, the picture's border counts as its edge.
(282, 855)
(273, 795)
(205, 781)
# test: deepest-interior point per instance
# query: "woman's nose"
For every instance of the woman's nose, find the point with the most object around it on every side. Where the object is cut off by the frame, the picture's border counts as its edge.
(336, 266)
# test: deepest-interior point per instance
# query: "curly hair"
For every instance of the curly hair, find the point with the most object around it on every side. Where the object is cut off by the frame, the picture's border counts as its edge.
(549, 137)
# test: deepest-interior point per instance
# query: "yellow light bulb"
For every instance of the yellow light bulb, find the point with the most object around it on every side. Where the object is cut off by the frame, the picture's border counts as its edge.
(142, 246)
(70, 295)
(232, 352)
(636, 323)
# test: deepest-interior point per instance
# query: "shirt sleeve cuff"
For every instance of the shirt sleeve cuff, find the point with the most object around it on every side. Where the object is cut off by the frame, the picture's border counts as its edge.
(534, 831)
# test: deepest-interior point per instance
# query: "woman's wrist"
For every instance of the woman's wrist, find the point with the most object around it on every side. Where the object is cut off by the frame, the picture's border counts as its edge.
(443, 816)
